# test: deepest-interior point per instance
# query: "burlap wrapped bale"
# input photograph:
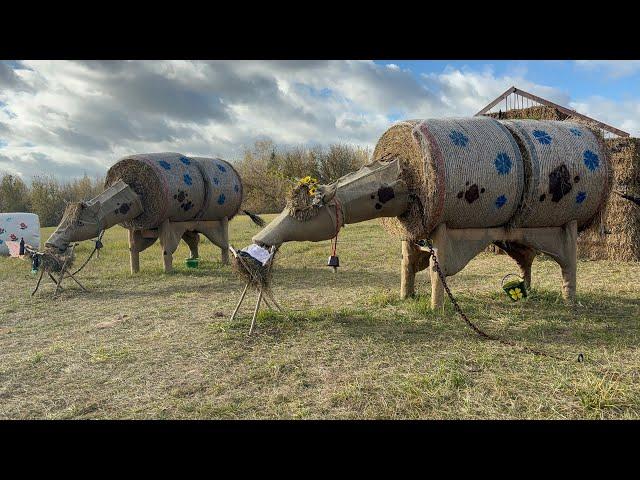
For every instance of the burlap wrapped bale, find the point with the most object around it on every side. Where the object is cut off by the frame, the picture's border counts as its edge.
(568, 173)
(170, 186)
(223, 189)
(464, 172)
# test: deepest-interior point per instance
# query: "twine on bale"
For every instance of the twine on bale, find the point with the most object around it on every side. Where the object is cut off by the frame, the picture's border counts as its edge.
(569, 173)
(462, 172)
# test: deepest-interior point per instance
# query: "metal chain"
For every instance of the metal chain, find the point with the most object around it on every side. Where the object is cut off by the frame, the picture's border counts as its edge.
(471, 325)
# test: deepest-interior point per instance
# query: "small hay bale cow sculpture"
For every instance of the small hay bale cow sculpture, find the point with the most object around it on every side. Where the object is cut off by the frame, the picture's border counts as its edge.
(166, 196)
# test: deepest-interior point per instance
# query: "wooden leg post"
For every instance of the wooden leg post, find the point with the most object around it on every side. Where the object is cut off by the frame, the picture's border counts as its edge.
(255, 312)
(244, 292)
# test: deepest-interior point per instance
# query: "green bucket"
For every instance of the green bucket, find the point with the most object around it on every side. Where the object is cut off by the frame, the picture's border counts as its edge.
(192, 262)
(515, 288)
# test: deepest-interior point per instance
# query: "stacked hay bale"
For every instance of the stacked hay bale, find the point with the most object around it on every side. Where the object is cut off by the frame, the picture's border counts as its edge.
(621, 217)
(540, 112)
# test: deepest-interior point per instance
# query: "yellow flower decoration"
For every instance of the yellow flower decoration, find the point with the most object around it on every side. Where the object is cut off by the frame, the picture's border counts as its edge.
(516, 293)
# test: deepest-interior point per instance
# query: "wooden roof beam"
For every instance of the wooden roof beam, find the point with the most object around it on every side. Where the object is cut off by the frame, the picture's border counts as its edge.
(548, 103)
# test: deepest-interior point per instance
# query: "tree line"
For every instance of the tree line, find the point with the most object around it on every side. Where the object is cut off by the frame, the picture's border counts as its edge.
(268, 171)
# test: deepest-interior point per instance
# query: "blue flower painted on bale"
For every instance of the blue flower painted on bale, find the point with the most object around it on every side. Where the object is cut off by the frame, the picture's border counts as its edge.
(576, 132)
(236, 188)
(165, 165)
(581, 197)
(215, 180)
(591, 160)
(503, 163)
(501, 201)
(185, 160)
(221, 167)
(542, 136)
(221, 199)
(187, 179)
(458, 138)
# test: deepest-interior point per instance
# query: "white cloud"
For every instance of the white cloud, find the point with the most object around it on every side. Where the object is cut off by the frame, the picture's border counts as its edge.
(611, 68)
(68, 118)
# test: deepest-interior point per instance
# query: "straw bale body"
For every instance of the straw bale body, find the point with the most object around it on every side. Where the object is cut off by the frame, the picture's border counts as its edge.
(479, 172)
(178, 188)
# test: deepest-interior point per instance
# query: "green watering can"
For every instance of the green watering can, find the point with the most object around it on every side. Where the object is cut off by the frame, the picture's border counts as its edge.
(514, 288)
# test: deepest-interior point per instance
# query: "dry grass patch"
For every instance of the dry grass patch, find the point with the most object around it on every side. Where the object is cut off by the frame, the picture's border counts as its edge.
(152, 345)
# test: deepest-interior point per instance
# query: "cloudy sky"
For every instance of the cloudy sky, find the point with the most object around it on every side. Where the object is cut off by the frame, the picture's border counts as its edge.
(68, 118)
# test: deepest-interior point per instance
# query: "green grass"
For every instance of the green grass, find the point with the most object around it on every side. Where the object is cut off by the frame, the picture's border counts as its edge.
(152, 345)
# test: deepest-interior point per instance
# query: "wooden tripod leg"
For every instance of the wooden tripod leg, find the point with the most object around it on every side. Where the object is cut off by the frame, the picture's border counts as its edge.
(255, 312)
(59, 282)
(273, 299)
(38, 284)
(244, 292)
(75, 280)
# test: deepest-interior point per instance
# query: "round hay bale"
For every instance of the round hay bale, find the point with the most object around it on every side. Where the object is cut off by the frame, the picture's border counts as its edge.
(170, 186)
(568, 173)
(222, 189)
(464, 172)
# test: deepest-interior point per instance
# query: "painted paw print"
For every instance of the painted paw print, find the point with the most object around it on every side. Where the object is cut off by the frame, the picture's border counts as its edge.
(560, 184)
(382, 196)
(591, 160)
(543, 137)
(472, 193)
(1, 230)
(502, 163)
(23, 226)
(13, 237)
(123, 208)
(165, 165)
(181, 197)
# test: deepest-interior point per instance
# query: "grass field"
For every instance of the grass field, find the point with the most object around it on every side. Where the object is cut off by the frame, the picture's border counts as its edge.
(161, 346)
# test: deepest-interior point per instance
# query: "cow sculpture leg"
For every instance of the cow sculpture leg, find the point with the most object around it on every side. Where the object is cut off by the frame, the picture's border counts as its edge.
(139, 241)
(414, 260)
(170, 234)
(218, 233)
(523, 255)
(192, 239)
(454, 248)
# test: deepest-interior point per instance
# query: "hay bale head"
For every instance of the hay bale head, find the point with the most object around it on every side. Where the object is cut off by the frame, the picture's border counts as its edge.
(170, 186)
(223, 189)
(463, 172)
(568, 173)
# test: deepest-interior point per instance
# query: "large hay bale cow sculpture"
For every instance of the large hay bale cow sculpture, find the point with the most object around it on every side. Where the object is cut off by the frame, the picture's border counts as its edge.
(165, 196)
(525, 185)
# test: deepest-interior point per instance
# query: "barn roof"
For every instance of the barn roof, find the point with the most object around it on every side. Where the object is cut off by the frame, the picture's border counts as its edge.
(515, 96)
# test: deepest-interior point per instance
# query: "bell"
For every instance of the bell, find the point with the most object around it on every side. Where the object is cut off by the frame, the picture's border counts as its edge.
(334, 261)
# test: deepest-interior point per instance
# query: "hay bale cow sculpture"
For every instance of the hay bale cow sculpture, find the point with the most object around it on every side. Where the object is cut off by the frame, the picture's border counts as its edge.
(525, 185)
(166, 196)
